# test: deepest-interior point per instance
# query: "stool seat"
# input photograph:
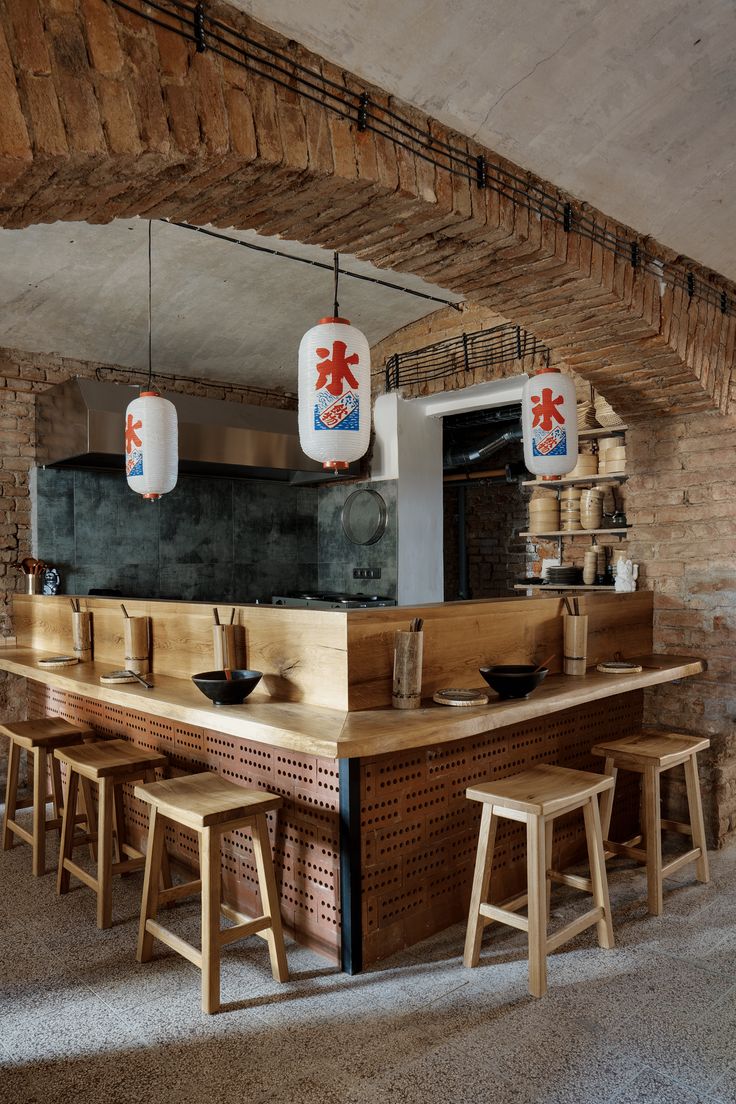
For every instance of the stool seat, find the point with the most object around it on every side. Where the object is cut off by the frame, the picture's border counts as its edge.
(541, 790)
(211, 806)
(536, 797)
(46, 732)
(667, 748)
(650, 753)
(110, 759)
(39, 737)
(203, 800)
(109, 764)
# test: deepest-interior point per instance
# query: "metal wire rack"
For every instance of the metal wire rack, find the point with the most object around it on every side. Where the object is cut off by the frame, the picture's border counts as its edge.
(193, 22)
(464, 354)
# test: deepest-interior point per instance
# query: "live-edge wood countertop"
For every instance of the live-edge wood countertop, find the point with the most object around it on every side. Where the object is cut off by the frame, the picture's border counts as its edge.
(334, 733)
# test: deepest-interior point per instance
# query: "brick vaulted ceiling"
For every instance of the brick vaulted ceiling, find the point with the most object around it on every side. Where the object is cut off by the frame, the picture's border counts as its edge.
(106, 115)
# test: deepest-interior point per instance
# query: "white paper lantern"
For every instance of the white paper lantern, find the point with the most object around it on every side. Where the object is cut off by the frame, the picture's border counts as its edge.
(334, 393)
(151, 445)
(549, 423)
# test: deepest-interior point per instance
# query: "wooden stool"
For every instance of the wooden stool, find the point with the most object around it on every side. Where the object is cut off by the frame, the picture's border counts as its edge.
(108, 763)
(39, 737)
(649, 753)
(210, 805)
(536, 797)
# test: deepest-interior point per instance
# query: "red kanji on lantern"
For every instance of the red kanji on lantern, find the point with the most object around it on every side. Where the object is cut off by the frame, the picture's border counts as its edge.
(546, 409)
(131, 437)
(337, 368)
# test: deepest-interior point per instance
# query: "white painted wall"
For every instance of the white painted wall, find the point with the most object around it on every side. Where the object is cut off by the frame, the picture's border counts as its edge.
(408, 447)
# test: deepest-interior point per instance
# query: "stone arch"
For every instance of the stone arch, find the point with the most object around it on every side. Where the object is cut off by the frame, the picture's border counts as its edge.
(107, 115)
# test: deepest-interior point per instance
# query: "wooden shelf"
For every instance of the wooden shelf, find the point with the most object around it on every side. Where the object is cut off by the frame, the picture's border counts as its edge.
(576, 532)
(553, 484)
(541, 587)
(600, 431)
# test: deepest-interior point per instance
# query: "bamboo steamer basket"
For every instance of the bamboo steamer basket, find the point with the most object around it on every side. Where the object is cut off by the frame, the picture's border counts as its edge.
(587, 465)
(618, 452)
(606, 443)
(570, 494)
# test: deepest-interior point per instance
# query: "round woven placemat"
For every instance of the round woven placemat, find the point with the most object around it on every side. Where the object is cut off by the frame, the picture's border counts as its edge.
(117, 677)
(619, 667)
(460, 697)
(59, 661)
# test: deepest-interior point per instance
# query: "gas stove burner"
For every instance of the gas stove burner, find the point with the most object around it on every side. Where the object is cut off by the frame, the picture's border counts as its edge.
(331, 600)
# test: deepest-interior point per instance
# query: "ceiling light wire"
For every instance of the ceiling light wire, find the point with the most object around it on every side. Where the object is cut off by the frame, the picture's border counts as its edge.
(150, 327)
(336, 310)
(315, 264)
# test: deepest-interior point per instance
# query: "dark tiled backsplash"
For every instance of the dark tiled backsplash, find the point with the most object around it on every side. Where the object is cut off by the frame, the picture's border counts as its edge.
(209, 540)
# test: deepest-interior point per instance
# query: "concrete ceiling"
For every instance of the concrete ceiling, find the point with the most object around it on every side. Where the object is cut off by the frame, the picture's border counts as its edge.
(628, 104)
(220, 312)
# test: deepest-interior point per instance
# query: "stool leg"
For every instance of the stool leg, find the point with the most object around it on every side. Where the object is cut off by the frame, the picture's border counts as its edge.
(150, 776)
(40, 788)
(57, 789)
(119, 824)
(11, 793)
(607, 799)
(653, 836)
(67, 828)
(695, 806)
(104, 852)
(549, 828)
(481, 884)
(149, 901)
(270, 898)
(537, 878)
(88, 803)
(209, 860)
(599, 881)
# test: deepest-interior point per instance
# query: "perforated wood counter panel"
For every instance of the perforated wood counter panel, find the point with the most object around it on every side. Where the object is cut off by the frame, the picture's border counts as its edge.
(306, 855)
(419, 832)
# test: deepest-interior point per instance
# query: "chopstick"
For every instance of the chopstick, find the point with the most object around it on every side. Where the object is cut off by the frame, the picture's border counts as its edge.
(74, 603)
(216, 616)
(232, 615)
(416, 624)
(125, 612)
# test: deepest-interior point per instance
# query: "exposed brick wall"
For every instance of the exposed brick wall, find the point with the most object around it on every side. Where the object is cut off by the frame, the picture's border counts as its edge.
(105, 116)
(682, 508)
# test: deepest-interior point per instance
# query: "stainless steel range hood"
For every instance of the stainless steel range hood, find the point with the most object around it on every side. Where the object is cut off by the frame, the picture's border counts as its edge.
(79, 424)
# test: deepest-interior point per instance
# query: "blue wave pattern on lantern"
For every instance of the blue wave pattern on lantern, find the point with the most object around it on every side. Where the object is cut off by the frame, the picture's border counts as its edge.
(342, 413)
(553, 443)
(134, 463)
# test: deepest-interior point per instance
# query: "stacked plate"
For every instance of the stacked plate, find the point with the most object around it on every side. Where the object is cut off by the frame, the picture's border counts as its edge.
(604, 412)
(586, 415)
(564, 575)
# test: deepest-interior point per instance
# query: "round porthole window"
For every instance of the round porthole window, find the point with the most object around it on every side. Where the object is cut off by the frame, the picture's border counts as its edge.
(364, 516)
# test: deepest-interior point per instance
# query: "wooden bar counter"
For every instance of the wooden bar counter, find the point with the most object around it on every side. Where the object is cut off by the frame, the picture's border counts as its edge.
(375, 842)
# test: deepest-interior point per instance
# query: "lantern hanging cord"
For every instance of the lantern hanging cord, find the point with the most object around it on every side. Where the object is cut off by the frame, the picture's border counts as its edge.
(150, 358)
(336, 310)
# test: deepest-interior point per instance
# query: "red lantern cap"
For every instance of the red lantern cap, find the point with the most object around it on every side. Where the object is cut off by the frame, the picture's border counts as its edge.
(335, 465)
(149, 395)
(339, 321)
(547, 368)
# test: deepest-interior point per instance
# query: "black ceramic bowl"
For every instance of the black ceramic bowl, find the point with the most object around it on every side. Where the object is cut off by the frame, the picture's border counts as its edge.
(227, 691)
(513, 680)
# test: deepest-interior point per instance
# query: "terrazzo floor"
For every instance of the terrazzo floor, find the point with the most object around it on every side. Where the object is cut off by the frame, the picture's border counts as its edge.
(652, 1020)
